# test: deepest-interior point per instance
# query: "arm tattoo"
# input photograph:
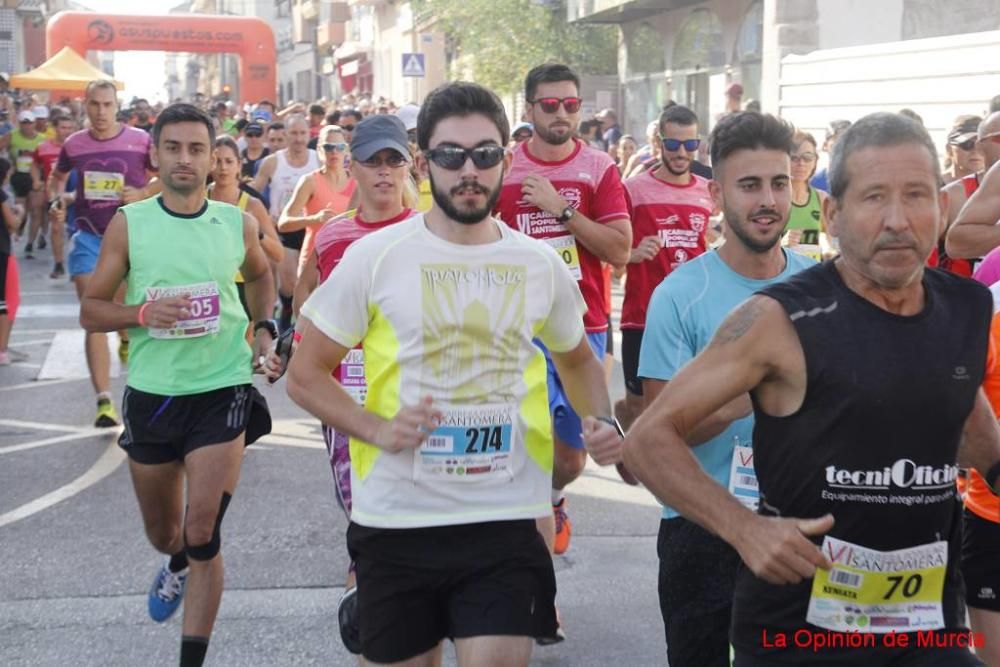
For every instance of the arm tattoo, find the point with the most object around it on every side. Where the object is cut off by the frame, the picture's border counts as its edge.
(738, 322)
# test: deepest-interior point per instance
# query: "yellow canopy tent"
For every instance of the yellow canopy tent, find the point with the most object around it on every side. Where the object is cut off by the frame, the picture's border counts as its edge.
(66, 70)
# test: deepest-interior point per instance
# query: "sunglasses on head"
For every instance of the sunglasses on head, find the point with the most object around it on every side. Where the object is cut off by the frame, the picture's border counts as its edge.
(394, 160)
(673, 145)
(453, 158)
(551, 104)
(339, 147)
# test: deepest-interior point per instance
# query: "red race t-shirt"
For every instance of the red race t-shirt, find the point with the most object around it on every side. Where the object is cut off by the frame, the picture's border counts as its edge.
(46, 156)
(678, 216)
(588, 179)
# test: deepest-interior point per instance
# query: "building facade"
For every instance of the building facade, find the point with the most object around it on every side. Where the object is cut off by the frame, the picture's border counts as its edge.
(690, 51)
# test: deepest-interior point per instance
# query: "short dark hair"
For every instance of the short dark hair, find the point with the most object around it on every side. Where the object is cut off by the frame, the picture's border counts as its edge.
(276, 125)
(879, 129)
(547, 73)
(316, 110)
(354, 113)
(460, 98)
(749, 130)
(678, 115)
(267, 102)
(182, 112)
(332, 118)
(228, 142)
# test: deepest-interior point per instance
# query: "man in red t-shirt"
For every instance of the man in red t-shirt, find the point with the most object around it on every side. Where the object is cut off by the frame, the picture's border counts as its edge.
(46, 156)
(669, 208)
(563, 192)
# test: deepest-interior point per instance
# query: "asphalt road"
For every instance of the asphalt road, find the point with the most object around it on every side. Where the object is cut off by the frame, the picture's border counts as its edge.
(76, 566)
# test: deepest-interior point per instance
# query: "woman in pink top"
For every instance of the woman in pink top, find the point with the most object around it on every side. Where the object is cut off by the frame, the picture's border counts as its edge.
(320, 195)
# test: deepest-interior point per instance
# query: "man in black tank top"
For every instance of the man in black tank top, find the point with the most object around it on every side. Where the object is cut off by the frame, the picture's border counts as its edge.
(865, 377)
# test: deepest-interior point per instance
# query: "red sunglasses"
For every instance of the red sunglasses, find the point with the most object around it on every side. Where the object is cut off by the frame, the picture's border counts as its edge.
(551, 104)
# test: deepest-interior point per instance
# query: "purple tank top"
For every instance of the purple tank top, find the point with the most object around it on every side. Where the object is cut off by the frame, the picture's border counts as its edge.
(104, 168)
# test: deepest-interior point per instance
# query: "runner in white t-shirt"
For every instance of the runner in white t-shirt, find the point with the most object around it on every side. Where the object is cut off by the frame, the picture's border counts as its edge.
(452, 453)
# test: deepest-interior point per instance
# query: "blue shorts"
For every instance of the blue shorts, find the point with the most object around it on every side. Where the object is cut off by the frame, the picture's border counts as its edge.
(565, 421)
(82, 258)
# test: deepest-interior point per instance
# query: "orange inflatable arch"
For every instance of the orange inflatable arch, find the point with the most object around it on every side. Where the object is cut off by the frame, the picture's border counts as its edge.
(251, 38)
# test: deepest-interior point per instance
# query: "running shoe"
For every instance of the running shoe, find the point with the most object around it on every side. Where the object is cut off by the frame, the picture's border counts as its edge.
(123, 350)
(42, 243)
(106, 415)
(58, 272)
(564, 527)
(347, 617)
(12, 356)
(557, 636)
(29, 252)
(166, 593)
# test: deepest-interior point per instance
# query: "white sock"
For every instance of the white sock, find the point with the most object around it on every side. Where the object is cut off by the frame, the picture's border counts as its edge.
(104, 394)
(557, 496)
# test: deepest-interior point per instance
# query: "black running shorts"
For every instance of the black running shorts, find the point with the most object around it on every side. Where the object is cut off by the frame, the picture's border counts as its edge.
(631, 344)
(697, 579)
(21, 184)
(417, 586)
(293, 240)
(160, 429)
(981, 562)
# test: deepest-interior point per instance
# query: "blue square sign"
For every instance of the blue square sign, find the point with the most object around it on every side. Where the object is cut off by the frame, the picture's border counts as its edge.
(413, 64)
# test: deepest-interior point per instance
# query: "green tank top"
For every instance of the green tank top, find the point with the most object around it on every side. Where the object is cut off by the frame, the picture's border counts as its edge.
(807, 218)
(172, 254)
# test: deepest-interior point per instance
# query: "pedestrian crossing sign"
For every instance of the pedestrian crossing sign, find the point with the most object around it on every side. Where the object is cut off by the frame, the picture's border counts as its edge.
(413, 64)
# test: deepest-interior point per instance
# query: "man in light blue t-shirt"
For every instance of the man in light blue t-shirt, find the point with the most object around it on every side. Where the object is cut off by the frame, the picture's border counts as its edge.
(697, 569)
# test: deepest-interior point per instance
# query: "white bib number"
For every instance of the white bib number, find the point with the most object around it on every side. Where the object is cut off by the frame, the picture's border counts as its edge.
(103, 185)
(352, 375)
(743, 478)
(472, 444)
(204, 310)
(566, 247)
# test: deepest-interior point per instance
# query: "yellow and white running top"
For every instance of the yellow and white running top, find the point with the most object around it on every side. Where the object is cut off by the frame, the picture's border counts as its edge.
(455, 322)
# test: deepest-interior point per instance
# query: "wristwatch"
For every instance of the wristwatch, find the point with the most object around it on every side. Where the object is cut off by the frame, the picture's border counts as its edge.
(270, 325)
(567, 214)
(613, 422)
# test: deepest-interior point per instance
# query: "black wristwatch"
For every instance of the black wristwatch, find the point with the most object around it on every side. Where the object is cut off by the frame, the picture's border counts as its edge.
(567, 214)
(270, 325)
(613, 422)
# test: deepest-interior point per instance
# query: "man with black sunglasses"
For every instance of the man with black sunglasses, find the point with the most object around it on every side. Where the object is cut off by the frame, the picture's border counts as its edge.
(451, 453)
(569, 195)
(255, 152)
(349, 118)
(669, 208)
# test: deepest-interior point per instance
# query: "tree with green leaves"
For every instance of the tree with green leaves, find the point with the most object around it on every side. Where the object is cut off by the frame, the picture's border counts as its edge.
(500, 40)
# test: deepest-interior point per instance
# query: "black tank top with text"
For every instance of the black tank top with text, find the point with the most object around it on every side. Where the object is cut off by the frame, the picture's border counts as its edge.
(876, 438)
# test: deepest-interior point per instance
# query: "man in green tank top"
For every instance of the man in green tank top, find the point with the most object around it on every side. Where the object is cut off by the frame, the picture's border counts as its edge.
(189, 407)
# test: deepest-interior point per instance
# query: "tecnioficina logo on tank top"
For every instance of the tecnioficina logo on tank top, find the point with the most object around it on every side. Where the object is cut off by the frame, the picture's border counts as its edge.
(903, 474)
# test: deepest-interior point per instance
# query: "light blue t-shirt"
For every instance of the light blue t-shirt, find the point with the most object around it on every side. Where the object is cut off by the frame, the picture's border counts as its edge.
(684, 312)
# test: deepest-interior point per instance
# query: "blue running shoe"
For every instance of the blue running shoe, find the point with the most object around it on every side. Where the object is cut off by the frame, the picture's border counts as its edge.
(166, 594)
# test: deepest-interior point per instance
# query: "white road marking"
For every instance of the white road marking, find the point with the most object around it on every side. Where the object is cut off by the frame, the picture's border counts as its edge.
(67, 358)
(34, 444)
(33, 311)
(105, 465)
(35, 384)
(46, 426)
(28, 343)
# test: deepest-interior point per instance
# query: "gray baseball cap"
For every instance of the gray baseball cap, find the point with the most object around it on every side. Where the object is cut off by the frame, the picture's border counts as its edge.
(376, 133)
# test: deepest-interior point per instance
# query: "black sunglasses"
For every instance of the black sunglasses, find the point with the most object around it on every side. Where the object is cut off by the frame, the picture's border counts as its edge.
(347, 128)
(454, 157)
(254, 133)
(967, 145)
